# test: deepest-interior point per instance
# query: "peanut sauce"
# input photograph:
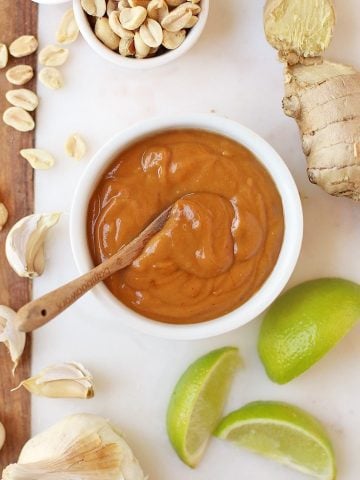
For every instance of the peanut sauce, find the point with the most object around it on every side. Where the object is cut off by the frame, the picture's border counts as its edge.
(221, 241)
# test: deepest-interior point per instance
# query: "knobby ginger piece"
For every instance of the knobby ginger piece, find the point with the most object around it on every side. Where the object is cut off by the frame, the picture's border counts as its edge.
(325, 101)
(300, 27)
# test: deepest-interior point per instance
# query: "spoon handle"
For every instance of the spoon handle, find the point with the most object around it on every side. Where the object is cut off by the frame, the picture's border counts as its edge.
(40, 311)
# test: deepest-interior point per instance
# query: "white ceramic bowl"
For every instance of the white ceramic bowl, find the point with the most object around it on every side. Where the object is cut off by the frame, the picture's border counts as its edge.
(135, 63)
(288, 255)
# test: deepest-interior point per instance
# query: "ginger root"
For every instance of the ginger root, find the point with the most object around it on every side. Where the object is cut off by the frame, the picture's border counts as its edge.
(300, 27)
(325, 101)
(322, 96)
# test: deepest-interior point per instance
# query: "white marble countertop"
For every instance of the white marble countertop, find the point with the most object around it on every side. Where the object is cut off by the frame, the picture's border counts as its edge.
(233, 72)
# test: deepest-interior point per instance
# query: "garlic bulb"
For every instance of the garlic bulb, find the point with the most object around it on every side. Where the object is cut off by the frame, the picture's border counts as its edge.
(64, 380)
(80, 447)
(25, 244)
(10, 336)
(2, 435)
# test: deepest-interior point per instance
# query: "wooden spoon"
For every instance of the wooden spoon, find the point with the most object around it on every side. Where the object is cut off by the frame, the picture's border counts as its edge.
(40, 311)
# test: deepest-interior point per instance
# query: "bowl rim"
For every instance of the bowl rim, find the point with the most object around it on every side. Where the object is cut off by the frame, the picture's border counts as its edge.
(135, 63)
(293, 219)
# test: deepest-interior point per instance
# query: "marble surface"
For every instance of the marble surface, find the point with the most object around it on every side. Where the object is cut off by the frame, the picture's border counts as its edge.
(233, 72)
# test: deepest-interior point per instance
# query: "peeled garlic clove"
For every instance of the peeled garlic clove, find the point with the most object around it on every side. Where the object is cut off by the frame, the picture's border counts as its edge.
(65, 380)
(3, 215)
(4, 55)
(151, 33)
(173, 40)
(132, 18)
(81, 446)
(23, 46)
(24, 245)
(75, 147)
(2, 435)
(10, 336)
(68, 30)
(38, 159)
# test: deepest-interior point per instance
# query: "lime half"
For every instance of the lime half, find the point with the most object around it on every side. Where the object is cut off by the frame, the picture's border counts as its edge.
(198, 401)
(283, 433)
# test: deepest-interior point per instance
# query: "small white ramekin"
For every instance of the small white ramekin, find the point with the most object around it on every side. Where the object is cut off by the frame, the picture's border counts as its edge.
(292, 214)
(139, 63)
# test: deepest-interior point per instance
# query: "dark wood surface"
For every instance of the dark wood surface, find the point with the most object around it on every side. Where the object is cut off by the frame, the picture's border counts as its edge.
(17, 17)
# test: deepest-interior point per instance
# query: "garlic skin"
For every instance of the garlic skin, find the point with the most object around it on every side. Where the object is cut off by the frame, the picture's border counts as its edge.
(10, 336)
(2, 435)
(80, 447)
(24, 245)
(63, 380)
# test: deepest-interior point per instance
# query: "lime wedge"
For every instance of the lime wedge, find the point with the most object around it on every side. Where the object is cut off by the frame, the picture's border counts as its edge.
(198, 401)
(284, 433)
(304, 323)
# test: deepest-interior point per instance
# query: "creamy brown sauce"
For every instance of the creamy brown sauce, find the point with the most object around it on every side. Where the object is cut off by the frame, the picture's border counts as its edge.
(223, 236)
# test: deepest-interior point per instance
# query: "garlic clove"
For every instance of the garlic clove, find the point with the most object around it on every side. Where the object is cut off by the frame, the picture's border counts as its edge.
(81, 446)
(2, 435)
(13, 339)
(24, 245)
(64, 380)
